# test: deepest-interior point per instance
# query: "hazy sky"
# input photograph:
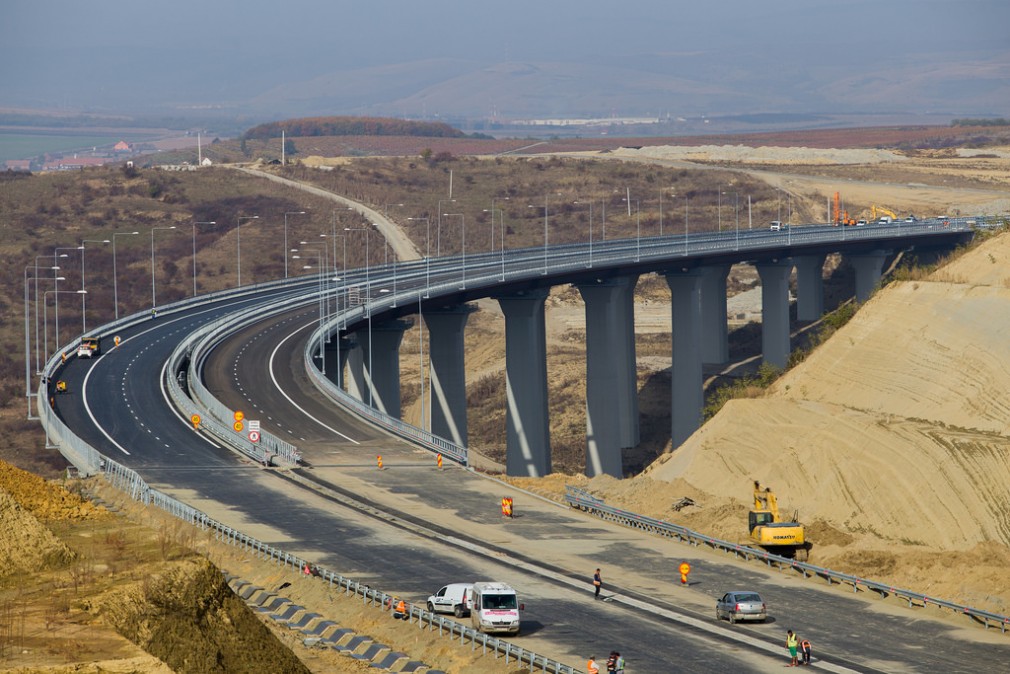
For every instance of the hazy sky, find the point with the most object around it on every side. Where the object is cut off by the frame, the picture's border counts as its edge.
(97, 52)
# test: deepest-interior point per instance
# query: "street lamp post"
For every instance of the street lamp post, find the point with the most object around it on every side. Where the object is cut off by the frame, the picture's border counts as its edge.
(438, 229)
(719, 197)
(427, 254)
(545, 233)
(638, 238)
(590, 203)
(320, 271)
(56, 310)
(54, 268)
(115, 279)
(154, 301)
(420, 353)
(84, 294)
(285, 240)
(45, 316)
(463, 221)
(238, 242)
(368, 304)
(211, 222)
(28, 359)
(661, 210)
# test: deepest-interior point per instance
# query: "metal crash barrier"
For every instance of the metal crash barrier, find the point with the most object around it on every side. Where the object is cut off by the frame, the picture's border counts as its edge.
(130, 482)
(583, 500)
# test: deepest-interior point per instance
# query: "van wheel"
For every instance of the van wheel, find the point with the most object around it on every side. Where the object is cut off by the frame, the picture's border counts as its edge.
(458, 611)
(431, 607)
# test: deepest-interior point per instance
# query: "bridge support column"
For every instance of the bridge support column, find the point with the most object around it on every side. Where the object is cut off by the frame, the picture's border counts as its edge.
(809, 287)
(528, 438)
(868, 267)
(611, 384)
(715, 342)
(356, 368)
(448, 371)
(335, 354)
(775, 310)
(380, 356)
(687, 398)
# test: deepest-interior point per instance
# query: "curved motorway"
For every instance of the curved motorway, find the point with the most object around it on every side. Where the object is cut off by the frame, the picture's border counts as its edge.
(416, 528)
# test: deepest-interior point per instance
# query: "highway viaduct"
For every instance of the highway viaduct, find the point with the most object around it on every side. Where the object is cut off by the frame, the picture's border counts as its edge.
(365, 335)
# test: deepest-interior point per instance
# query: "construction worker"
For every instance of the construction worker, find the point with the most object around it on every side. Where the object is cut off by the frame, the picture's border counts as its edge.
(805, 651)
(591, 666)
(597, 583)
(400, 612)
(792, 643)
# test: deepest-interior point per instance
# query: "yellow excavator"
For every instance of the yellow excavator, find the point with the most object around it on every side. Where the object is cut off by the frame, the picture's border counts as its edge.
(876, 211)
(770, 531)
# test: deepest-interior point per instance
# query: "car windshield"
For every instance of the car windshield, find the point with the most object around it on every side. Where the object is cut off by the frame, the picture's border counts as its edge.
(498, 601)
(748, 597)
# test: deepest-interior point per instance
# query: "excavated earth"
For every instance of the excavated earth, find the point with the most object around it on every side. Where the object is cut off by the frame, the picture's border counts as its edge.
(889, 439)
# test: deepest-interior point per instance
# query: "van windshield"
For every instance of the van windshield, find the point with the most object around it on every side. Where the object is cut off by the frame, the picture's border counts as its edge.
(498, 601)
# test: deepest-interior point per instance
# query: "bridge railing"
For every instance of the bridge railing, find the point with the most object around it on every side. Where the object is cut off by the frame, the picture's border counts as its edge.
(583, 500)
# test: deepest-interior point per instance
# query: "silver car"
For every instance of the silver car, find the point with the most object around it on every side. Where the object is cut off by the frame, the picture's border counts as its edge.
(741, 605)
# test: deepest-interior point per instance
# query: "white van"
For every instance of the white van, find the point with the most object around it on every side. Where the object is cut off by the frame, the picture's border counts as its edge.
(495, 608)
(776, 225)
(455, 598)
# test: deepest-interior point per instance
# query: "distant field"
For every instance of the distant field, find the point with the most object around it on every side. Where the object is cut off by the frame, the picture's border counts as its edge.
(26, 146)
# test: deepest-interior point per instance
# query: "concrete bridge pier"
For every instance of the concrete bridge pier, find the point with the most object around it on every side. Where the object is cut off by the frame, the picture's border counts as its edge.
(868, 267)
(775, 310)
(379, 367)
(715, 342)
(335, 354)
(687, 399)
(809, 287)
(611, 384)
(527, 433)
(356, 370)
(448, 371)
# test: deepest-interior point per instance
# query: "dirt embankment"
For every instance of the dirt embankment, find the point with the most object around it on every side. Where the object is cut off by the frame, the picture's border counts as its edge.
(890, 440)
(84, 590)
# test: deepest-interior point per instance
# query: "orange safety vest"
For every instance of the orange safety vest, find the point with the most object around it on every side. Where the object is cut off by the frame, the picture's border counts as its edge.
(591, 667)
(805, 645)
(401, 607)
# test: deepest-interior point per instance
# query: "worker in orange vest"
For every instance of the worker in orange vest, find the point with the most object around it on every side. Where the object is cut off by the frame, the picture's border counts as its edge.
(591, 666)
(401, 610)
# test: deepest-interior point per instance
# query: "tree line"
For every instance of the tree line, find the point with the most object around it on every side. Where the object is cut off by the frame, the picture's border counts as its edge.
(352, 126)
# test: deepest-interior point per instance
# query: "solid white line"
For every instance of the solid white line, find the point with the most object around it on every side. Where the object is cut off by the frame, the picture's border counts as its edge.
(177, 413)
(273, 378)
(87, 407)
(84, 386)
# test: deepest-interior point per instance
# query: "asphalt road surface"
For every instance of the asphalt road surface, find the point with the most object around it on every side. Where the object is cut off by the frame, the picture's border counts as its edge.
(421, 528)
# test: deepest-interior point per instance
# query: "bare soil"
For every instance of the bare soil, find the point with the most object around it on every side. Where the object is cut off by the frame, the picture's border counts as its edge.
(888, 439)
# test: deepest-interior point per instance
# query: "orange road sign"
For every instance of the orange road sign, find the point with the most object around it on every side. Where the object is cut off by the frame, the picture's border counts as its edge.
(195, 419)
(239, 415)
(238, 426)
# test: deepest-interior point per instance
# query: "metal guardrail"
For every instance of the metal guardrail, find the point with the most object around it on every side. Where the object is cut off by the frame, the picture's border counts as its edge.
(488, 270)
(130, 482)
(215, 417)
(583, 500)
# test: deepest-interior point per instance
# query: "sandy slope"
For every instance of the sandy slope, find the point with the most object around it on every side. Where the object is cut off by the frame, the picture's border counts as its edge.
(892, 437)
